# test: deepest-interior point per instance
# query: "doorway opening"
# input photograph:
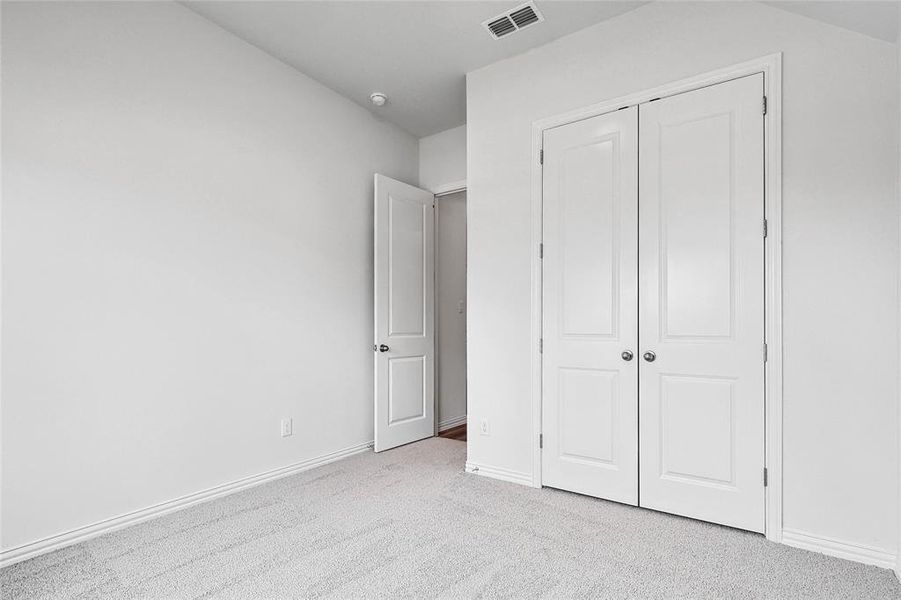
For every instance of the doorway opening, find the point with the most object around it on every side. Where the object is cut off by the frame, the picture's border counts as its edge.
(450, 315)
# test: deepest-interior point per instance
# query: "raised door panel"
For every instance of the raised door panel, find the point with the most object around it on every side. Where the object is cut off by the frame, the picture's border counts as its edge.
(696, 227)
(407, 263)
(406, 389)
(697, 430)
(588, 399)
(589, 243)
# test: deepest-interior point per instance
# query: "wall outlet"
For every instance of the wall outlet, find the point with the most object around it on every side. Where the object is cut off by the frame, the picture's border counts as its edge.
(287, 427)
(484, 428)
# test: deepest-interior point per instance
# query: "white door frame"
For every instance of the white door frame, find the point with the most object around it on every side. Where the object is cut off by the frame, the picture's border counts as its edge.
(771, 67)
(440, 192)
(449, 188)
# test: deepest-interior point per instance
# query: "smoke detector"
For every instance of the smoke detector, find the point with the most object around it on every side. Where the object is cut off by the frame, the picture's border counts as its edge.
(378, 98)
(513, 20)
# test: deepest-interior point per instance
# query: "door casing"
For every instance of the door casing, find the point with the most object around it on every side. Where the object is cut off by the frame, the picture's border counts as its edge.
(441, 192)
(771, 67)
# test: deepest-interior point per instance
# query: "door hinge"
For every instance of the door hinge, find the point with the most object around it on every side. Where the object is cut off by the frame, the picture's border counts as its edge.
(541, 440)
(541, 156)
(540, 345)
(541, 250)
(764, 352)
(764, 105)
(766, 477)
(766, 228)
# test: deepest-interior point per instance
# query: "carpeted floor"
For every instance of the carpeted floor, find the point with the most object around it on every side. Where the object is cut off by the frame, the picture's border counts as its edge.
(409, 523)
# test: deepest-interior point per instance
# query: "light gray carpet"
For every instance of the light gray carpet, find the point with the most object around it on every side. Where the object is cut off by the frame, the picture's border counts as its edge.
(409, 523)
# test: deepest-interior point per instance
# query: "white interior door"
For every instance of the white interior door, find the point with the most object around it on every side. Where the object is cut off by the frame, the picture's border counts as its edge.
(701, 305)
(590, 413)
(404, 344)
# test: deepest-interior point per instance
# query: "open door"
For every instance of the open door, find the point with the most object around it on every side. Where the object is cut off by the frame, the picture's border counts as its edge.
(404, 343)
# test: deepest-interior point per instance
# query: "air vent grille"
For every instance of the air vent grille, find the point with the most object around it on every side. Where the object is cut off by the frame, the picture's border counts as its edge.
(524, 16)
(513, 20)
(501, 27)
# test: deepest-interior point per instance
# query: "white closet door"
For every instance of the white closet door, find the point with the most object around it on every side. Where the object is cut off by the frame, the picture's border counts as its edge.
(590, 411)
(701, 306)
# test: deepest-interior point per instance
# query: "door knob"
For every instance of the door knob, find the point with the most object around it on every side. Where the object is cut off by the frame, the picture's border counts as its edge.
(627, 355)
(650, 356)
(383, 348)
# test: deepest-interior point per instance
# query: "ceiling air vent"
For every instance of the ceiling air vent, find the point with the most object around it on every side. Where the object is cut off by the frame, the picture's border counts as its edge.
(525, 16)
(513, 20)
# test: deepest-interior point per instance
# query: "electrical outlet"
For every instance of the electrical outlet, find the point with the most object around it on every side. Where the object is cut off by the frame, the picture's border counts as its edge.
(484, 429)
(287, 427)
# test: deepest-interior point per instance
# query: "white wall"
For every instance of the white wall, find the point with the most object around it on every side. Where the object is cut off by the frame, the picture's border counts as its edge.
(840, 238)
(450, 309)
(442, 159)
(187, 258)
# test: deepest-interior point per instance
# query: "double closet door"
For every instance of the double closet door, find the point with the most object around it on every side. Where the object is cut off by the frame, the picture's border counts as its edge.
(653, 305)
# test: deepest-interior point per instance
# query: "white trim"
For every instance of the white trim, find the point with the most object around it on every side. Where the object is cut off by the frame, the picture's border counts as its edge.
(459, 186)
(451, 423)
(832, 547)
(450, 188)
(898, 346)
(773, 405)
(55, 542)
(771, 67)
(518, 477)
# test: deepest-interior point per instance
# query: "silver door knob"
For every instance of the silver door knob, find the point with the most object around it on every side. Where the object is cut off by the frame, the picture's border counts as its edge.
(383, 348)
(627, 355)
(650, 356)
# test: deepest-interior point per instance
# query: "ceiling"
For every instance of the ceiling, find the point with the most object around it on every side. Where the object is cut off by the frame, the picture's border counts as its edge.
(878, 19)
(418, 52)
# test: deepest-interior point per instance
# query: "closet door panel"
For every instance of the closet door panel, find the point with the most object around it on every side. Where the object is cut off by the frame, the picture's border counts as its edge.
(701, 304)
(590, 307)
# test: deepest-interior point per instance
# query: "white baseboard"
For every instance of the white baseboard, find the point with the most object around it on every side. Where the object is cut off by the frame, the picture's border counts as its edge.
(850, 551)
(49, 544)
(451, 423)
(499, 473)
